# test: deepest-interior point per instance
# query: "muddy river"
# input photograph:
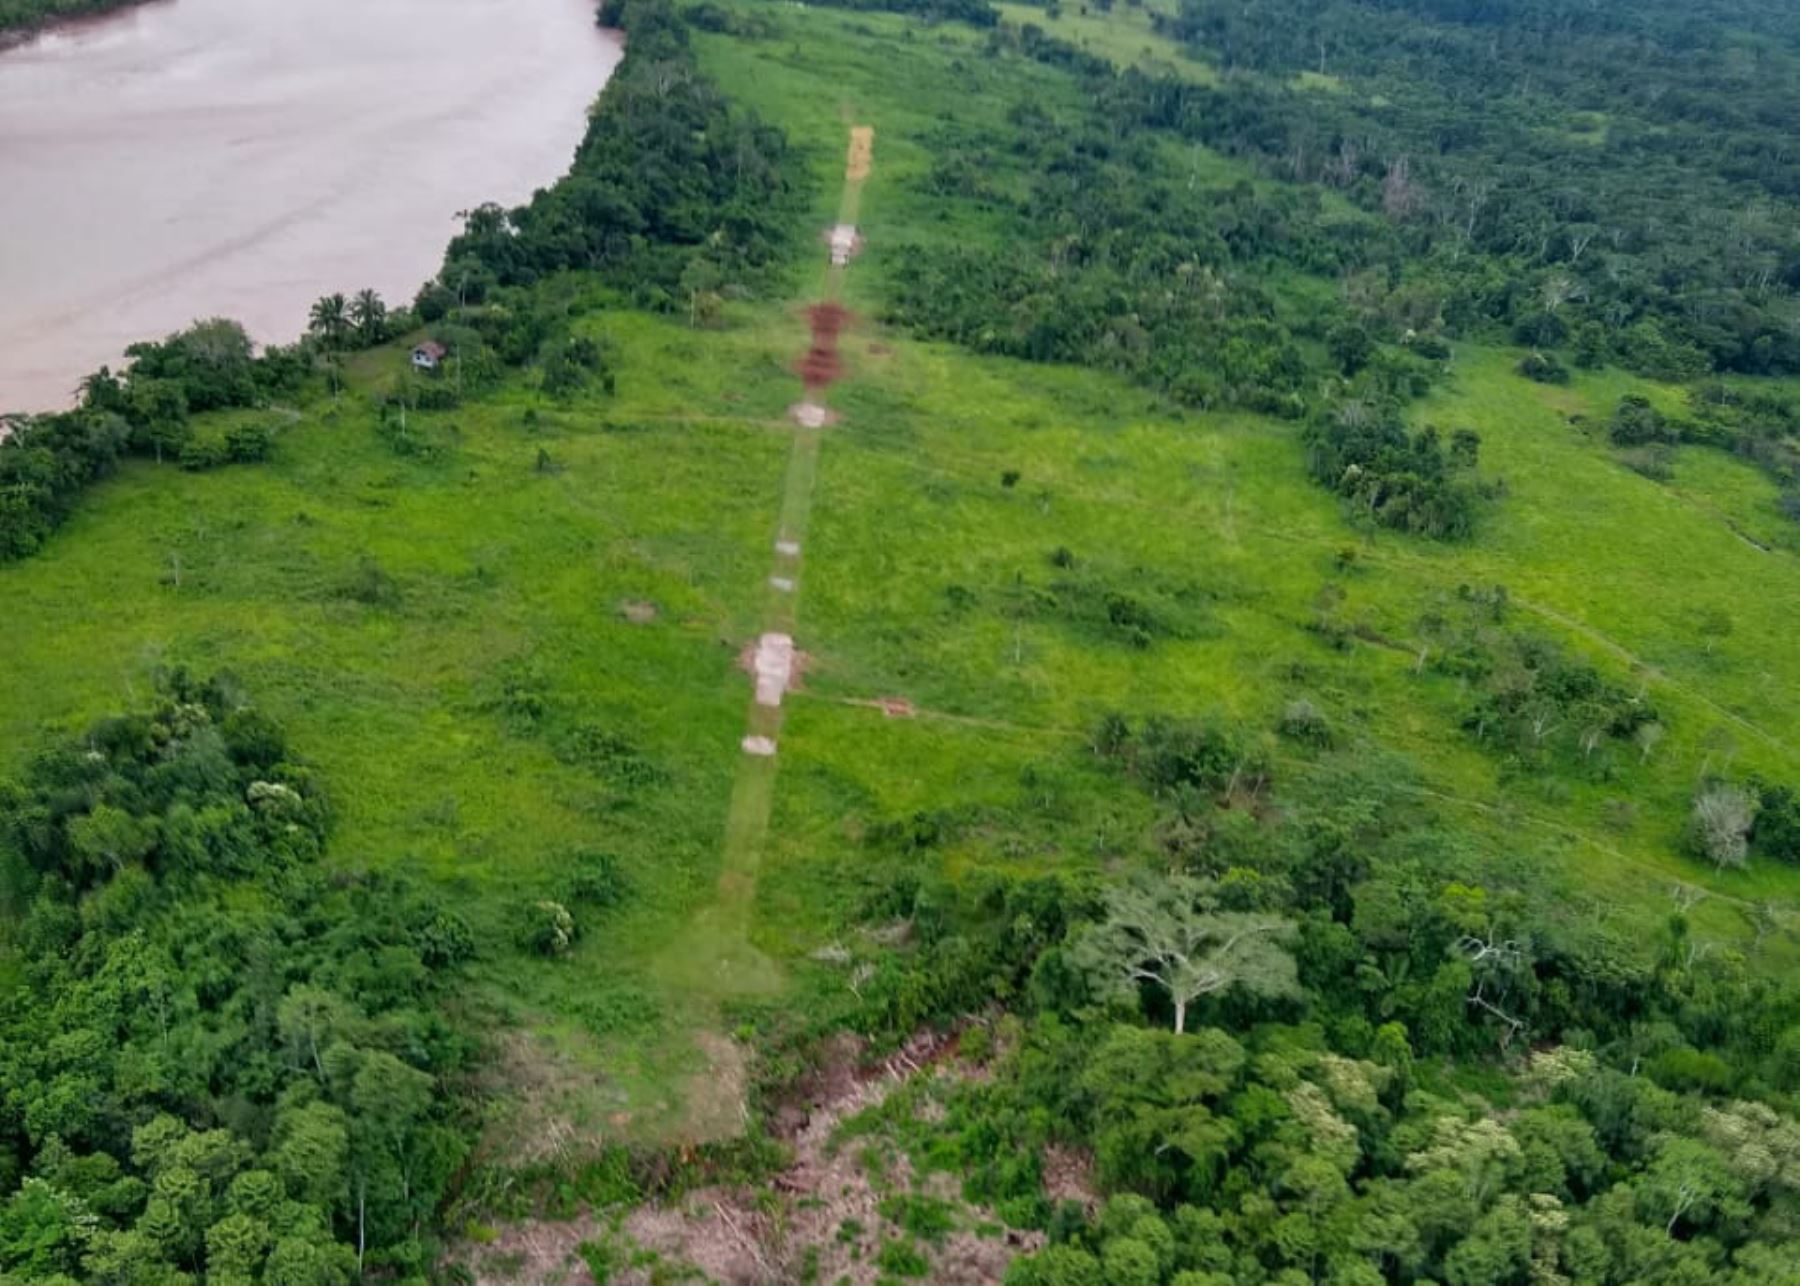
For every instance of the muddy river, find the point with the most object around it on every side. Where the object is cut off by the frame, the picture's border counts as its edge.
(240, 158)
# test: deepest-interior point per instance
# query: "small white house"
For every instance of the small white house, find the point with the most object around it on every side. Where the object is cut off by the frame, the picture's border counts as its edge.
(429, 355)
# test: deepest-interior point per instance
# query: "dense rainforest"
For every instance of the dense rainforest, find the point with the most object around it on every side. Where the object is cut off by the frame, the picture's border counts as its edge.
(215, 1056)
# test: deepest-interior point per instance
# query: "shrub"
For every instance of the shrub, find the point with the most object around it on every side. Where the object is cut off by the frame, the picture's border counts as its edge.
(1544, 368)
(200, 454)
(1776, 833)
(1719, 829)
(597, 881)
(249, 443)
(444, 940)
(902, 1260)
(1304, 722)
(1635, 422)
(546, 928)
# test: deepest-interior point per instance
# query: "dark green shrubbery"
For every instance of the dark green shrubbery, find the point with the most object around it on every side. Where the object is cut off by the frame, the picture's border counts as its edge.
(669, 173)
(1543, 367)
(214, 1056)
(1400, 479)
(47, 461)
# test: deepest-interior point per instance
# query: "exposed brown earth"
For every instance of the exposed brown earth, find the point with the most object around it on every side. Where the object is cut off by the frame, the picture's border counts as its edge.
(826, 1194)
(822, 366)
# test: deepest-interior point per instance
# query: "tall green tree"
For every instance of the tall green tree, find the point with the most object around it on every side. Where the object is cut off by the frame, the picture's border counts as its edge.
(1170, 935)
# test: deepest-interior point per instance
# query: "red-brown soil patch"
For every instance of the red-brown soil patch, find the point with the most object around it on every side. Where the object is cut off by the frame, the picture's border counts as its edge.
(821, 365)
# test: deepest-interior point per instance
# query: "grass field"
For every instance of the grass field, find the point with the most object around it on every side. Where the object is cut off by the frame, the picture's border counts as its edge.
(445, 634)
(1215, 509)
(1124, 35)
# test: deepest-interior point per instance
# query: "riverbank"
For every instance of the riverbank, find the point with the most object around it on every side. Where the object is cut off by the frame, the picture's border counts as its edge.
(22, 21)
(241, 158)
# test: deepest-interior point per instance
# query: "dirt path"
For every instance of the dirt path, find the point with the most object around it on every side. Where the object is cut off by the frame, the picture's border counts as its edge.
(716, 956)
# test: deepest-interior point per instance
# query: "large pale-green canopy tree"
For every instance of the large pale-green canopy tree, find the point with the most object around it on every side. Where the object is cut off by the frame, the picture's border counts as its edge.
(1171, 933)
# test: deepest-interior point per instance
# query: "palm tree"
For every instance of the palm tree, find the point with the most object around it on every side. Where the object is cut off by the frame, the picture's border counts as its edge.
(101, 391)
(330, 320)
(369, 315)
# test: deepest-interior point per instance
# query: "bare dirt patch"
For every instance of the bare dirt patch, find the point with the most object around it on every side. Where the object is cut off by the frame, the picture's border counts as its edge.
(821, 366)
(710, 1231)
(812, 415)
(820, 1218)
(1069, 1176)
(536, 1252)
(826, 1194)
(776, 665)
(637, 611)
(551, 1101)
(715, 1095)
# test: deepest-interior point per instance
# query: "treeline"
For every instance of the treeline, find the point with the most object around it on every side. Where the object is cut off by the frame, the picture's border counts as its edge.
(1095, 261)
(1759, 425)
(48, 461)
(32, 13)
(1099, 252)
(1600, 188)
(675, 196)
(216, 1059)
(1375, 1062)
(1610, 180)
(1096, 250)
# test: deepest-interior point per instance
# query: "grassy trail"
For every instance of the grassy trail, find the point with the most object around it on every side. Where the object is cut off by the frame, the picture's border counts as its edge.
(715, 957)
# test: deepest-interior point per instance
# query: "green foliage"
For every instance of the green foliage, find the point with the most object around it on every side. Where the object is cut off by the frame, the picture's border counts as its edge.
(546, 928)
(29, 13)
(1531, 699)
(902, 1260)
(1404, 480)
(1544, 368)
(668, 174)
(217, 1058)
(1522, 221)
(48, 461)
(1776, 831)
(1171, 935)
(45, 464)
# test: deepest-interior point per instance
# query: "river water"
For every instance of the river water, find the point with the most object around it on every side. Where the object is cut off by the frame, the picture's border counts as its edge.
(240, 158)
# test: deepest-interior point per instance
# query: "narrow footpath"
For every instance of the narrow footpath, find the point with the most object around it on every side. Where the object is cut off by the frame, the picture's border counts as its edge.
(721, 959)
